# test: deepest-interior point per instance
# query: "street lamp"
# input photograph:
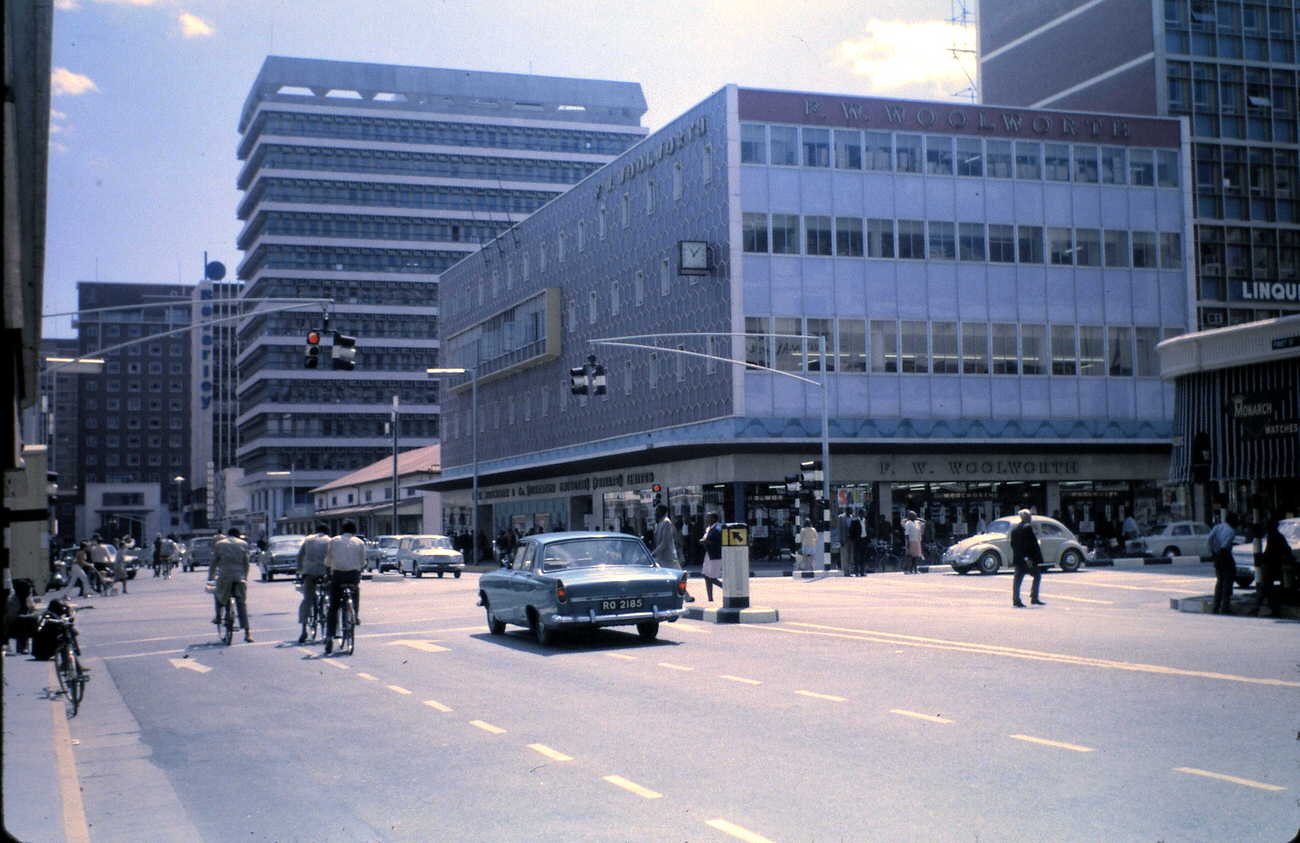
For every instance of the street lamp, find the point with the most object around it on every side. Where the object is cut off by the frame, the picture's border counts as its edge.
(180, 511)
(472, 371)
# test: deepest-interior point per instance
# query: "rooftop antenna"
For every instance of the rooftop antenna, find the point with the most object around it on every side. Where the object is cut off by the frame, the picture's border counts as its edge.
(959, 14)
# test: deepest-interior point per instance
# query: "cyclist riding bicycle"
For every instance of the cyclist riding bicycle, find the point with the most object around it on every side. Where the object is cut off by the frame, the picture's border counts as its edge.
(230, 558)
(344, 558)
(311, 569)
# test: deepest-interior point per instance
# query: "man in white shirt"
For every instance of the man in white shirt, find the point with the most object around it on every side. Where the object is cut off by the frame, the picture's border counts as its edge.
(344, 559)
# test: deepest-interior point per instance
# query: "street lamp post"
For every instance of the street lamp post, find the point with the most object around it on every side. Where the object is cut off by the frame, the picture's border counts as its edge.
(396, 418)
(180, 509)
(473, 422)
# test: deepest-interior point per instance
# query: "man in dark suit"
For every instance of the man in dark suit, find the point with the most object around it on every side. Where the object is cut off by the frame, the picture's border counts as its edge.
(1026, 556)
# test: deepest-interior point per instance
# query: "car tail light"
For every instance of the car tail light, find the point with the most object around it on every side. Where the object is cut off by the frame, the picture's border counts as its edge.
(561, 593)
(681, 585)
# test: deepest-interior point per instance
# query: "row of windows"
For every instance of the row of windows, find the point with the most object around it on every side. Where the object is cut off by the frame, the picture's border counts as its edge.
(1237, 182)
(154, 405)
(340, 459)
(423, 164)
(174, 348)
(352, 291)
(885, 346)
(946, 155)
(133, 423)
(175, 440)
(479, 199)
(313, 392)
(617, 293)
(115, 460)
(399, 130)
(967, 241)
(1230, 30)
(417, 261)
(289, 224)
(115, 385)
(113, 367)
(368, 325)
(335, 427)
(1264, 254)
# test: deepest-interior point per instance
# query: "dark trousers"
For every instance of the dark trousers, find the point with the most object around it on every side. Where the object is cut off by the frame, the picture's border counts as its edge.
(1265, 590)
(1225, 571)
(237, 589)
(338, 579)
(308, 595)
(1021, 570)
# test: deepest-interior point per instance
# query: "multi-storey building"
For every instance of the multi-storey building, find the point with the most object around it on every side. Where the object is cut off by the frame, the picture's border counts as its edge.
(1226, 66)
(990, 284)
(362, 183)
(134, 434)
(213, 403)
(53, 422)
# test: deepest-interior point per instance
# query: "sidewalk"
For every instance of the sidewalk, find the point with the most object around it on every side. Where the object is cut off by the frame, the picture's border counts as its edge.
(38, 766)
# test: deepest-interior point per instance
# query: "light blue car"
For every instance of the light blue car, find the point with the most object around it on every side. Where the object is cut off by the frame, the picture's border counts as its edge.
(585, 580)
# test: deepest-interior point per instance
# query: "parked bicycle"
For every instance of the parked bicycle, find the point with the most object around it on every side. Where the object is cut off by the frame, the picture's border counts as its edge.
(881, 556)
(68, 668)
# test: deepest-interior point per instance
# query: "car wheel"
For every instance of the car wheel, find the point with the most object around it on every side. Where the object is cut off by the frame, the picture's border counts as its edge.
(540, 631)
(1171, 551)
(270, 575)
(961, 569)
(495, 627)
(440, 575)
(989, 562)
(648, 630)
(455, 575)
(1071, 561)
(1244, 581)
(415, 571)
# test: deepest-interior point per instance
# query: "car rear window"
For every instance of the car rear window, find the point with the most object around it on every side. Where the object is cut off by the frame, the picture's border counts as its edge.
(591, 553)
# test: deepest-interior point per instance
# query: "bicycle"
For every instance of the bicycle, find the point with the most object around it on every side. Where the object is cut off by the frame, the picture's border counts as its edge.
(318, 611)
(67, 658)
(348, 620)
(882, 557)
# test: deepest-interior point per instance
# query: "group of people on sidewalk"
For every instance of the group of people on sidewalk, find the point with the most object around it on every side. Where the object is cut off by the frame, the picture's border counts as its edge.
(1272, 555)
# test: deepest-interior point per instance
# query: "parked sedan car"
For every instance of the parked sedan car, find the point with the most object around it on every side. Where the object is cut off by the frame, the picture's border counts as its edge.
(991, 551)
(419, 554)
(1178, 538)
(201, 551)
(280, 556)
(579, 580)
(1243, 554)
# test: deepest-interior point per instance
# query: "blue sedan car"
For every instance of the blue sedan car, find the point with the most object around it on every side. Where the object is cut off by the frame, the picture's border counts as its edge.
(556, 581)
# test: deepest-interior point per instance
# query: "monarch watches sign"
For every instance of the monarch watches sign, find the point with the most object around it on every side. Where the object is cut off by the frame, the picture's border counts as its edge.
(1264, 415)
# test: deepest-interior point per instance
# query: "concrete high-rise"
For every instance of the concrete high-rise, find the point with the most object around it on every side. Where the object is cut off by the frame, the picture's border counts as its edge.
(362, 183)
(1229, 68)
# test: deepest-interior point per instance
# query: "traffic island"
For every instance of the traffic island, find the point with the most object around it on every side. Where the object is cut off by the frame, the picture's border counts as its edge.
(734, 541)
(723, 614)
(1243, 605)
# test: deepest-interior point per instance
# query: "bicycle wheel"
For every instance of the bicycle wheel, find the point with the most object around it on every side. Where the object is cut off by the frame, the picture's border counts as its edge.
(322, 618)
(63, 667)
(228, 623)
(76, 683)
(349, 626)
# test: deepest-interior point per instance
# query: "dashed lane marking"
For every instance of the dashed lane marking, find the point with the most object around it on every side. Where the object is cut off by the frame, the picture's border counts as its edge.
(736, 831)
(1074, 747)
(933, 718)
(633, 787)
(621, 656)
(740, 679)
(672, 666)
(336, 663)
(818, 696)
(437, 706)
(553, 754)
(899, 640)
(690, 627)
(487, 727)
(1192, 771)
(367, 676)
(397, 689)
(1003, 592)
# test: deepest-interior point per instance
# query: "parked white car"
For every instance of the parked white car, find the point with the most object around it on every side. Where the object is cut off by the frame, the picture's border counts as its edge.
(1243, 555)
(1177, 538)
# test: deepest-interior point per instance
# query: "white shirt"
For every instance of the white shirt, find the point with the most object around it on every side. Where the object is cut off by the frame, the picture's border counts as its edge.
(346, 553)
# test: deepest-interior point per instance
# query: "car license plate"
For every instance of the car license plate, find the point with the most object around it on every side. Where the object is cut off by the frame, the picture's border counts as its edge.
(622, 603)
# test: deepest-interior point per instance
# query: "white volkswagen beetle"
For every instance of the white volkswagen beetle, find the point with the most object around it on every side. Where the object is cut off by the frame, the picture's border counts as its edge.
(990, 551)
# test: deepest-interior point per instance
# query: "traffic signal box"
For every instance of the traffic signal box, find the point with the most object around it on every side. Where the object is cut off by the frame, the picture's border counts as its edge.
(344, 354)
(311, 356)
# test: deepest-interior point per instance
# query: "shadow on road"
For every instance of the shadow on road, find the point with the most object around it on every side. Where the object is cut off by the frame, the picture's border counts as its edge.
(573, 641)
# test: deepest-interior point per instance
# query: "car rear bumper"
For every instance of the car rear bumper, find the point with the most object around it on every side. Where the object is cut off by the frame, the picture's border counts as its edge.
(430, 565)
(621, 618)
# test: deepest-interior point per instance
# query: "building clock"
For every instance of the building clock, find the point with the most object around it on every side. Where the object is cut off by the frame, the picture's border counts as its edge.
(693, 257)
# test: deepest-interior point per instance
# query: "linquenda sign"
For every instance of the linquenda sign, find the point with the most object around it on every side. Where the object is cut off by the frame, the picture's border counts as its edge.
(920, 116)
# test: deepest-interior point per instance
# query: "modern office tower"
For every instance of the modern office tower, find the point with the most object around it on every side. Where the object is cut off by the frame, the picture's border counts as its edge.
(1229, 68)
(213, 404)
(362, 183)
(134, 433)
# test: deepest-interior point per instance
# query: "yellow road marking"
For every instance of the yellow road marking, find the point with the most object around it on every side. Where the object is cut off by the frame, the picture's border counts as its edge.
(619, 781)
(672, 666)
(933, 718)
(368, 676)
(335, 663)
(815, 695)
(899, 640)
(690, 627)
(1247, 782)
(487, 727)
(423, 646)
(736, 831)
(397, 688)
(1057, 744)
(621, 656)
(437, 706)
(75, 829)
(553, 754)
(739, 679)
(1125, 587)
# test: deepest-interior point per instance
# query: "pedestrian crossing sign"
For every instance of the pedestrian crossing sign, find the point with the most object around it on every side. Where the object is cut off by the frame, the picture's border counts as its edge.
(735, 535)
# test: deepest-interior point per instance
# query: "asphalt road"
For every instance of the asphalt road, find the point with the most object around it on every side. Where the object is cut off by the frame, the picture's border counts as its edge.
(890, 707)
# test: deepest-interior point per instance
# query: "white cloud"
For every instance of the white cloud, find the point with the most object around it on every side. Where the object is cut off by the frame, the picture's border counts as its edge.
(55, 114)
(64, 81)
(193, 26)
(912, 59)
(67, 5)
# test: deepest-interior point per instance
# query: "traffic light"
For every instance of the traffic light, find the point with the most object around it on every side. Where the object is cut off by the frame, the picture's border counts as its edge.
(345, 352)
(587, 379)
(658, 490)
(311, 356)
(597, 379)
(578, 380)
(792, 484)
(810, 472)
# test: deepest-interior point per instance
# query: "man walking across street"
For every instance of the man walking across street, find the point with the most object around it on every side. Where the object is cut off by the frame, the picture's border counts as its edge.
(665, 543)
(229, 568)
(1027, 556)
(1225, 569)
(913, 532)
(311, 570)
(77, 570)
(344, 559)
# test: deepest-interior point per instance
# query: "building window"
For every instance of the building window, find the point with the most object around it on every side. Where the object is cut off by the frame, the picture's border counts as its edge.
(1092, 351)
(591, 308)
(1085, 165)
(943, 238)
(970, 157)
(753, 143)
(784, 145)
(1060, 246)
(816, 147)
(1147, 360)
(998, 156)
(613, 298)
(1116, 246)
(625, 208)
(601, 214)
(1003, 346)
(911, 239)
(757, 335)
(848, 149)
(582, 235)
(880, 151)
(853, 345)
(971, 241)
(1141, 167)
(627, 379)
(680, 364)
(848, 237)
(638, 288)
(884, 346)
(651, 195)
(1120, 342)
(1030, 243)
(1087, 247)
(711, 348)
(1171, 250)
(754, 232)
(1031, 349)
(938, 155)
(908, 153)
(1167, 168)
(820, 328)
(788, 350)
(817, 235)
(665, 278)
(1056, 161)
(1114, 165)
(1028, 160)
(1063, 354)
(943, 348)
(1144, 250)
(974, 348)
(785, 234)
(706, 160)
(1002, 243)
(653, 372)
(677, 181)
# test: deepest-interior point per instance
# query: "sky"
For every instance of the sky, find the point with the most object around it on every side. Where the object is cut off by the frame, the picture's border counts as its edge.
(147, 93)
